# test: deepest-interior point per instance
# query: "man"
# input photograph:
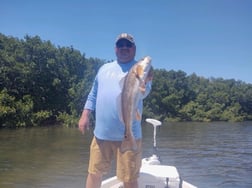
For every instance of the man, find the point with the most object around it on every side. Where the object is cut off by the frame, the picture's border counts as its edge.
(109, 130)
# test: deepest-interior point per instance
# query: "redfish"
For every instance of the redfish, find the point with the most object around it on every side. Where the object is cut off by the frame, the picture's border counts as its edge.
(133, 89)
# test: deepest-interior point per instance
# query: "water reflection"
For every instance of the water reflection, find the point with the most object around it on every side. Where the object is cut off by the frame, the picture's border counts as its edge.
(206, 154)
(209, 154)
(42, 157)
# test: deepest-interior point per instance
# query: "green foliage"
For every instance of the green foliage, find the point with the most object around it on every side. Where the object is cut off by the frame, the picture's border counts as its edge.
(39, 81)
(41, 84)
(41, 117)
(15, 112)
(67, 119)
(177, 97)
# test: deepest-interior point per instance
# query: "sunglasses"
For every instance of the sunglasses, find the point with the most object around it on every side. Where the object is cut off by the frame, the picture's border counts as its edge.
(124, 44)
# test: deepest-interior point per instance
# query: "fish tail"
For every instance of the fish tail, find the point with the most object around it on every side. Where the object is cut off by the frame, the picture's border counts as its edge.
(128, 144)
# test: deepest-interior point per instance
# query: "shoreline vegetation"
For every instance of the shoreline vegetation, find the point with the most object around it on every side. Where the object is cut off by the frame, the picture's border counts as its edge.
(42, 84)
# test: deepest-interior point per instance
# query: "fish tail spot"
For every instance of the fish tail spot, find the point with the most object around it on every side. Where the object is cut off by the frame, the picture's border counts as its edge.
(128, 144)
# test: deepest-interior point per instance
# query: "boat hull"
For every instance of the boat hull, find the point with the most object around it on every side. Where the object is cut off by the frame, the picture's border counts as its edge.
(153, 176)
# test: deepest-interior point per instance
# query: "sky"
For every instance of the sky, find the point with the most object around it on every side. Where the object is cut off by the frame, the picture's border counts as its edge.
(211, 38)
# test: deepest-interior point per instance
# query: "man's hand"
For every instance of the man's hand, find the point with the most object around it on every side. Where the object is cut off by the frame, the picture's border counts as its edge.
(84, 121)
(150, 75)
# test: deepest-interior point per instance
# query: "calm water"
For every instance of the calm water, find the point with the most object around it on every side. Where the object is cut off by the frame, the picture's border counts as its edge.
(206, 155)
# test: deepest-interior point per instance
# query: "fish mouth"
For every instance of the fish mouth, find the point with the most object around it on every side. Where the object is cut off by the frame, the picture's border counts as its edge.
(146, 63)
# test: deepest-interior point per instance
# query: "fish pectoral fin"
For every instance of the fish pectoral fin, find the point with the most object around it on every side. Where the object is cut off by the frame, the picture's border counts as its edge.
(139, 70)
(138, 116)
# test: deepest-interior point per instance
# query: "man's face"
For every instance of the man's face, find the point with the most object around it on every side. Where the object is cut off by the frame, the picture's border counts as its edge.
(125, 51)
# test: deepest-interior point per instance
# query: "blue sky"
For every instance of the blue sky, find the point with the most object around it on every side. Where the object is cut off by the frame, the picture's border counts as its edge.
(212, 38)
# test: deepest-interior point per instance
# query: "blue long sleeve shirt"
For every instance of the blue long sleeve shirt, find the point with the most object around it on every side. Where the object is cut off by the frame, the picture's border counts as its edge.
(104, 98)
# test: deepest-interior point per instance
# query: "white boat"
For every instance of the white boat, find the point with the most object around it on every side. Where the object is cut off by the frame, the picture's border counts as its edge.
(152, 173)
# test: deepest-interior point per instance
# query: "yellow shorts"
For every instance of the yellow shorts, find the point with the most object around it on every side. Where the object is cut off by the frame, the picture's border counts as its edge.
(102, 153)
